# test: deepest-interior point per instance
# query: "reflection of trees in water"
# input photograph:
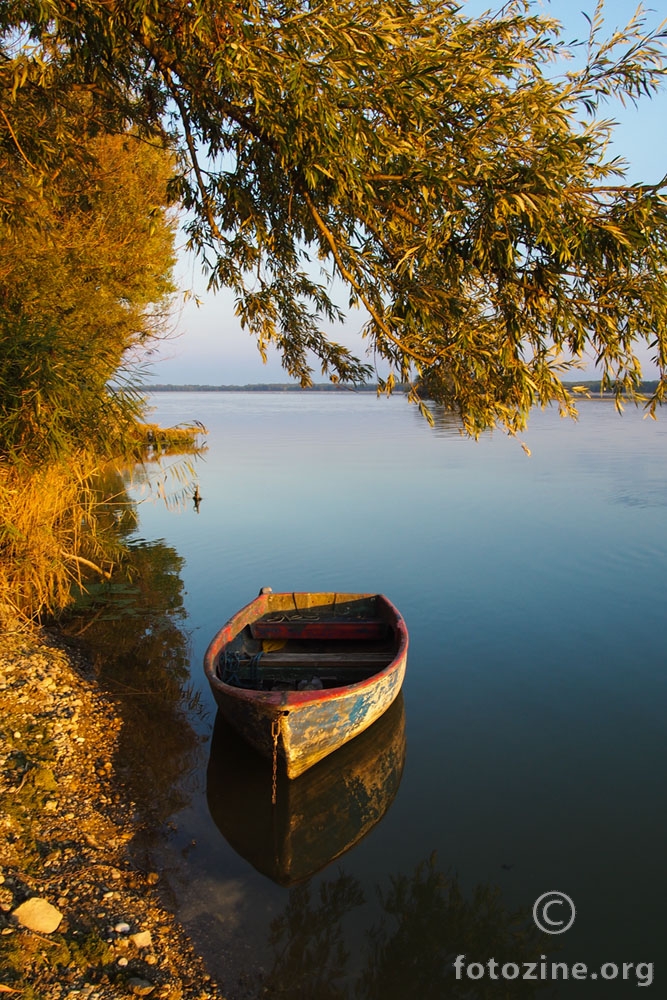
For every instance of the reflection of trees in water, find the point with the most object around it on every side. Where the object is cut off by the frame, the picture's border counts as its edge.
(132, 627)
(446, 421)
(307, 940)
(426, 922)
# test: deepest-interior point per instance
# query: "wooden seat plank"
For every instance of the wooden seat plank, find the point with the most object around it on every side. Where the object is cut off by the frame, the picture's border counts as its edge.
(283, 658)
(326, 629)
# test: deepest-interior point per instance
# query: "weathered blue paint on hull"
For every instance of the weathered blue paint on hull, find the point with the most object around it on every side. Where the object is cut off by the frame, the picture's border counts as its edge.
(312, 731)
(312, 723)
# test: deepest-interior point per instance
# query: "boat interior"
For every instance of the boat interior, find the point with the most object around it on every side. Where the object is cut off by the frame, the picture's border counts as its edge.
(309, 649)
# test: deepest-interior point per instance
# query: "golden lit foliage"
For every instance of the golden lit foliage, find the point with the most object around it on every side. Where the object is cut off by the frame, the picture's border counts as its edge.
(433, 161)
(86, 254)
(84, 278)
(54, 529)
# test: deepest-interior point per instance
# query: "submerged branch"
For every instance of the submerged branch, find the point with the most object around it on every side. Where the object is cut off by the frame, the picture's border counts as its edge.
(86, 562)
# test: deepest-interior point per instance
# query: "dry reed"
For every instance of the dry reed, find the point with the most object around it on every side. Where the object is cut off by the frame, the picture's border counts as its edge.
(51, 534)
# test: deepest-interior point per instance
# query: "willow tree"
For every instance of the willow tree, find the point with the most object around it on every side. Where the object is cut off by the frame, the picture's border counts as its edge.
(433, 161)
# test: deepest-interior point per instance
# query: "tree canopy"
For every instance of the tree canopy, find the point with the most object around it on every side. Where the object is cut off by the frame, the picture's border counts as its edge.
(435, 162)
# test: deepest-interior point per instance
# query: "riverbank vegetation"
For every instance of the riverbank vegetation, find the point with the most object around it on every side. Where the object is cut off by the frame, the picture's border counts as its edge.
(86, 259)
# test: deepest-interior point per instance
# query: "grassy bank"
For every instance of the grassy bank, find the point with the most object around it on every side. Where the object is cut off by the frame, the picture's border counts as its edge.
(62, 522)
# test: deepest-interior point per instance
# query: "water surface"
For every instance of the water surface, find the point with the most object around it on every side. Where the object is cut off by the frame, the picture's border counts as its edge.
(533, 753)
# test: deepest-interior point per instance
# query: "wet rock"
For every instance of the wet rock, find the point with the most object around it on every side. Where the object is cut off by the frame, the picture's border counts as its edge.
(38, 915)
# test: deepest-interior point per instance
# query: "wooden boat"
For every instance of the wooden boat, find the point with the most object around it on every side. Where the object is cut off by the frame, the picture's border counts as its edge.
(300, 674)
(318, 816)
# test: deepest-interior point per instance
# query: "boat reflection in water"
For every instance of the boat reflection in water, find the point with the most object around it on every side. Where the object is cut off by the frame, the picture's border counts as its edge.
(319, 815)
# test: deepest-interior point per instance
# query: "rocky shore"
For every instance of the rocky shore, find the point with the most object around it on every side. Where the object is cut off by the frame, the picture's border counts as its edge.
(78, 919)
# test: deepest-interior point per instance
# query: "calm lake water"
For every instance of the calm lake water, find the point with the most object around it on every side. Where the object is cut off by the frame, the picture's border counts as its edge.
(529, 752)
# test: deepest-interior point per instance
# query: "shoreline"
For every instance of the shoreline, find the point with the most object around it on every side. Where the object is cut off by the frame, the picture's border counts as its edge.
(66, 826)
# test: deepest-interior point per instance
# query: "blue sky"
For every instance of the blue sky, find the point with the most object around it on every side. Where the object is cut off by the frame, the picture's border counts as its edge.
(208, 345)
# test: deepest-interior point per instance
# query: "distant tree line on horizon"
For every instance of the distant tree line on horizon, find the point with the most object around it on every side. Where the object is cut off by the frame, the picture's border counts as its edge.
(589, 387)
(272, 387)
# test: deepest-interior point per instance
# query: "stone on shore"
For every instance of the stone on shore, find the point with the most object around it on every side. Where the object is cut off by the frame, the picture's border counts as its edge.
(140, 987)
(142, 939)
(38, 915)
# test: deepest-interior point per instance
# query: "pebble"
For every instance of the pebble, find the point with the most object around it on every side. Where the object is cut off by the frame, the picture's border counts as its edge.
(140, 987)
(122, 928)
(38, 915)
(122, 961)
(142, 939)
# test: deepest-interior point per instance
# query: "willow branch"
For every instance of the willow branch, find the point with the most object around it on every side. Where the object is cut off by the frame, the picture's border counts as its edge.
(347, 274)
(165, 62)
(192, 149)
(16, 142)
